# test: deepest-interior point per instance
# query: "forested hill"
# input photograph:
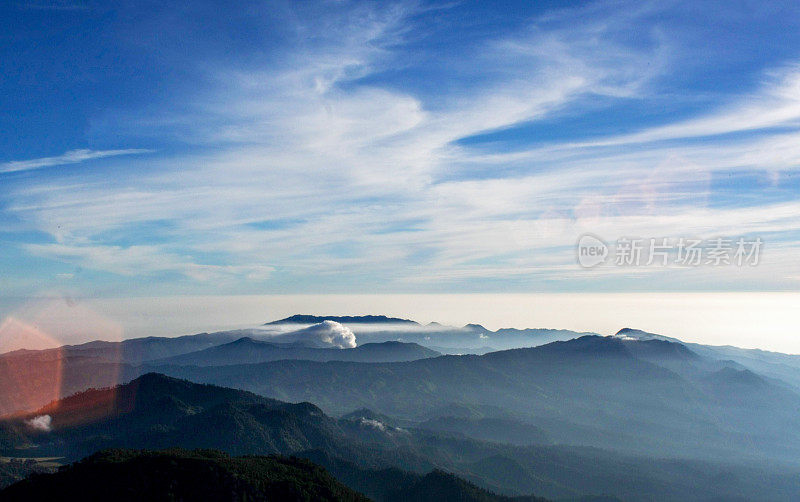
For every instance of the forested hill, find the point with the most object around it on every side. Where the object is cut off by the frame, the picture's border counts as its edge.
(184, 475)
(208, 475)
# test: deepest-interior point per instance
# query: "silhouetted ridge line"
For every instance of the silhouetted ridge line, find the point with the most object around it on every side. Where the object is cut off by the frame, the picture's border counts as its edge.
(364, 319)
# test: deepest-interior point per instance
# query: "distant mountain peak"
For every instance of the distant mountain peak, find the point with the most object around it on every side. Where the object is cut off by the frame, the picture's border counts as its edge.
(740, 377)
(476, 327)
(154, 378)
(591, 344)
(586, 346)
(633, 333)
(363, 319)
(245, 340)
(639, 334)
(657, 348)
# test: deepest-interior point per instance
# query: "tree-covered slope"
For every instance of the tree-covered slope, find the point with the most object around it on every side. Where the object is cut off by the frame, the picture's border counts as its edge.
(640, 396)
(127, 475)
(157, 412)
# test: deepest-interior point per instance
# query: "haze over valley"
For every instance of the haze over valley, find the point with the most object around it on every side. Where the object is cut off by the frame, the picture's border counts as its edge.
(630, 414)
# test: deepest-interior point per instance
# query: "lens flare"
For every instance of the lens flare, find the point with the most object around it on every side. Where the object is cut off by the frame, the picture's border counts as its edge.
(31, 371)
(39, 367)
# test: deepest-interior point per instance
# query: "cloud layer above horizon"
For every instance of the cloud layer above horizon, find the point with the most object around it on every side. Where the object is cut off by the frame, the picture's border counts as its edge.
(393, 146)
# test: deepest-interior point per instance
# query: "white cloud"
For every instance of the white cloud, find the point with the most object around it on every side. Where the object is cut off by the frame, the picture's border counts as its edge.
(324, 334)
(776, 104)
(374, 424)
(371, 177)
(137, 260)
(70, 157)
(41, 423)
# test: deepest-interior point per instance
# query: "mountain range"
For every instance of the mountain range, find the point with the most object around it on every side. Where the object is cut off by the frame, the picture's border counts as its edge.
(607, 392)
(636, 415)
(247, 351)
(158, 412)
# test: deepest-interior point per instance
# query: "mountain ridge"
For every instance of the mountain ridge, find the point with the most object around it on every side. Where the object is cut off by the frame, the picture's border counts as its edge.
(362, 319)
(247, 350)
(558, 384)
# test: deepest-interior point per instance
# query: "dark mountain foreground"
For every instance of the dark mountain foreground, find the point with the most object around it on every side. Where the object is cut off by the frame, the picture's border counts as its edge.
(129, 475)
(13, 470)
(395, 485)
(209, 475)
(156, 412)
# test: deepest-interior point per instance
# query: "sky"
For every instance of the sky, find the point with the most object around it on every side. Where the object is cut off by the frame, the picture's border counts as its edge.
(155, 149)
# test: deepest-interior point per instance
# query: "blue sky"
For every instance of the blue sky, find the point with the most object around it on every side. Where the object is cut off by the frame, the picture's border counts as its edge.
(151, 149)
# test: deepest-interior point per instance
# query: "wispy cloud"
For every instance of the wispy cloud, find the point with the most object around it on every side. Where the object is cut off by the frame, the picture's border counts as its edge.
(776, 104)
(145, 260)
(70, 157)
(378, 178)
(56, 5)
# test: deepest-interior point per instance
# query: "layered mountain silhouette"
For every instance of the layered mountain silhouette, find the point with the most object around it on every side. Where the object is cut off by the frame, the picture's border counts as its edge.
(155, 411)
(648, 383)
(636, 415)
(366, 454)
(30, 379)
(783, 367)
(247, 351)
(471, 338)
(608, 392)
